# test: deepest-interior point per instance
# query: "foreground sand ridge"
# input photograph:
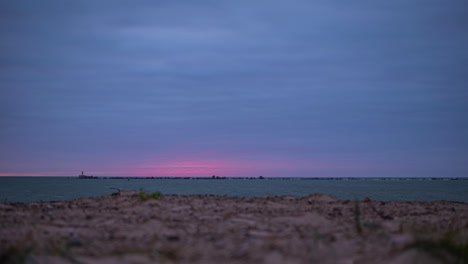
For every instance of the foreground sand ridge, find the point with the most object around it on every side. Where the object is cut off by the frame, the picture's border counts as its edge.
(123, 228)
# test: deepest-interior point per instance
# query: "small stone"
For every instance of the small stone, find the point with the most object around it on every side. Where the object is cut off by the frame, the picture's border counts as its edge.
(173, 238)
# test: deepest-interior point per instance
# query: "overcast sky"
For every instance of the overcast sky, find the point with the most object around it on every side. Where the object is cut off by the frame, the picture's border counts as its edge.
(234, 88)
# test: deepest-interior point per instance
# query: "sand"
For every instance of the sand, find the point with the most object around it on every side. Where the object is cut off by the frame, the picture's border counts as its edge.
(218, 229)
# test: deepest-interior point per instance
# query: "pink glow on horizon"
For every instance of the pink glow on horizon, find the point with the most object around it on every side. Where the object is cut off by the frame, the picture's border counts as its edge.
(192, 167)
(232, 167)
(187, 166)
(210, 162)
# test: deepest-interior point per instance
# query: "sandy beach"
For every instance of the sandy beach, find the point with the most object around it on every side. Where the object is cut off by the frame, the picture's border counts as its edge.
(123, 228)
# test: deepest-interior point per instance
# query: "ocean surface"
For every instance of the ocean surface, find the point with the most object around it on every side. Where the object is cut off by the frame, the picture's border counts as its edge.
(30, 189)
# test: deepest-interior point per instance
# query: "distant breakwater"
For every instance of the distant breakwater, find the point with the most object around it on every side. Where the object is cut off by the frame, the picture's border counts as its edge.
(270, 178)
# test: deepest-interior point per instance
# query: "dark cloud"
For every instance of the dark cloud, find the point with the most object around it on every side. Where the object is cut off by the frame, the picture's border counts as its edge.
(379, 84)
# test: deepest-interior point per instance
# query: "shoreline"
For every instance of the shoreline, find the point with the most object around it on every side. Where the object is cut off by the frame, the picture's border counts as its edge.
(132, 227)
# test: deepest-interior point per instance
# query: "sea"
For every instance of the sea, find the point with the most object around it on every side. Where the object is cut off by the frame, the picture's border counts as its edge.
(33, 189)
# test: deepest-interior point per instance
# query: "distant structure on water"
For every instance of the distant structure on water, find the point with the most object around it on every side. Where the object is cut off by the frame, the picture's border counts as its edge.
(83, 176)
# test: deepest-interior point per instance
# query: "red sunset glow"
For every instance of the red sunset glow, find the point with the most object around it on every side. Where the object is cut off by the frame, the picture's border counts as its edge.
(193, 166)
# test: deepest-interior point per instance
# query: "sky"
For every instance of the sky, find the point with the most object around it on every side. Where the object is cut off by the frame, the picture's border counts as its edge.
(279, 88)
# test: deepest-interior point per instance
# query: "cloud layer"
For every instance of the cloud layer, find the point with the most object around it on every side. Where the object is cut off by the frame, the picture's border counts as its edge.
(268, 88)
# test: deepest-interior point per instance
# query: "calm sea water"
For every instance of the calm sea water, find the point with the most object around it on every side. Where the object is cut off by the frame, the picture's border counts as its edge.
(29, 189)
